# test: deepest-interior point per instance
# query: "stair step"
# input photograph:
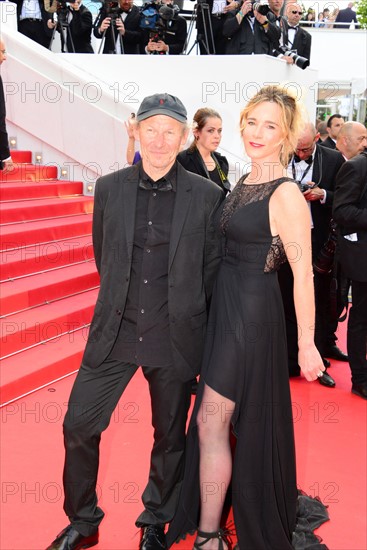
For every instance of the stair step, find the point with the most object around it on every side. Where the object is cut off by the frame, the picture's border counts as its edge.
(35, 367)
(15, 190)
(33, 232)
(45, 256)
(38, 289)
(21, 156)
(38, 209)
(30, 172)
(28, 328)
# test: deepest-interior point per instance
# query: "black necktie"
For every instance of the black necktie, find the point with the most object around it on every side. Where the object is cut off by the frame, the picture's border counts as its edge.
(160, 185)
(294, 28)
(307, 161)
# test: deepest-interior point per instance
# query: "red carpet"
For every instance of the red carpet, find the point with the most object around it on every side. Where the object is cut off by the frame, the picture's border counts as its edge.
(48, 290)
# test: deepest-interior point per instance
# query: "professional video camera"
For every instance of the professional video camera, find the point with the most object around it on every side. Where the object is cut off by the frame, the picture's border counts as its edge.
(301, 62)
(155, 18)
(112, 9)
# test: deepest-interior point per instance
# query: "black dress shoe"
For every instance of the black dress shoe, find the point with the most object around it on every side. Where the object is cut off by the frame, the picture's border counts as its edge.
(71, 539)
(326, 380)
(326, 362)
(360, 390)
(153, 538)
(335, 353)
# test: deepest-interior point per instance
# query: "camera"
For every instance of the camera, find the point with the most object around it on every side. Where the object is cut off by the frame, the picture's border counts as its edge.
(155, 18)
(263, 9)
(112, 9)
(301, 62)
(325, 259)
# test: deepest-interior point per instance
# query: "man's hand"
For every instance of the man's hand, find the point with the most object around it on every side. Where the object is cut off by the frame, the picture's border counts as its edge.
(261, 18)
(104, 25)
(51, 24)
(232, 5)
(8, 166)
(314, 194)
(159, 46)
(120, 26)
(289, 60)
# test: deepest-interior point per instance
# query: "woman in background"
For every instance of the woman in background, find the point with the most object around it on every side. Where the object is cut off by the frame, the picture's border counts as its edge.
(202, 157)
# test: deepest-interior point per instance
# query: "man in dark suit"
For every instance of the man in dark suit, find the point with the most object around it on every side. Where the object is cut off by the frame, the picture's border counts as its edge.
(121, 30)
(157, 254)
(350, 212)
(346, 16)
(352, 139)
(78, 29)
(209, 23)
(249, 32)
(6, 164)
(170, 35)
(32, 21)
(299, 40)
(316, 168)
(333, 125)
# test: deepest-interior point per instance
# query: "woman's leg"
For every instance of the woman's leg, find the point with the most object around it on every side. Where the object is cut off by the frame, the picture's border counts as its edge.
(214, 420)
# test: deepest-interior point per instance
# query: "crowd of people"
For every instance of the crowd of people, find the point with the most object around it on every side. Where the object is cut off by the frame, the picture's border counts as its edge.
(157, 28)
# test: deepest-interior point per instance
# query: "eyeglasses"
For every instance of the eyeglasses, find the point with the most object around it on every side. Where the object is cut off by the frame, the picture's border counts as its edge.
(295, 12)
(305, 150)
(3, 52)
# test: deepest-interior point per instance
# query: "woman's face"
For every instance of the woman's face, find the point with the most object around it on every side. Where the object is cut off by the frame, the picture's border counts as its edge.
(263, 135)
(209, 136)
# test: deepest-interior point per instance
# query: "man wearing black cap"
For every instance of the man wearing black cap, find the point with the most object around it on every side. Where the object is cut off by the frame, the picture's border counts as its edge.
(157, 255)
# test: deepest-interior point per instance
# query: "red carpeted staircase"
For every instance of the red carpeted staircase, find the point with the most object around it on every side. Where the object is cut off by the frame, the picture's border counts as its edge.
(48, 280)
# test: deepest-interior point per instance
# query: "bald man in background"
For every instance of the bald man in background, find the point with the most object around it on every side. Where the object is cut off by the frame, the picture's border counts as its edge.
(352, 139)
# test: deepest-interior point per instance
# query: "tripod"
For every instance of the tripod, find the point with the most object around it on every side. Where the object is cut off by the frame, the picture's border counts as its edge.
(113, 16)
(64, 30)
(202, 39)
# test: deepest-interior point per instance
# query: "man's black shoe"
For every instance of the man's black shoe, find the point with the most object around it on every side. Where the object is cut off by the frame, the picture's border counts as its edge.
(335, 353)
(326, 380)
(326, 362)
(71, 539)
(153, 538)
(360, 390)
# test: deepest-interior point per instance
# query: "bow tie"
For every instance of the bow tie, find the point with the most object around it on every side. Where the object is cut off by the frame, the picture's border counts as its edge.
(160, 185)
(307, 161)
(294, 28)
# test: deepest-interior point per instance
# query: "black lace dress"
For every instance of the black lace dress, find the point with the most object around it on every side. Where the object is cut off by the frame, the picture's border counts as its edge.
(245, 360)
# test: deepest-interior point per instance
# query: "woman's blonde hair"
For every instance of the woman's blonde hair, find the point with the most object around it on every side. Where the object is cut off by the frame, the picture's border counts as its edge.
(291, 120)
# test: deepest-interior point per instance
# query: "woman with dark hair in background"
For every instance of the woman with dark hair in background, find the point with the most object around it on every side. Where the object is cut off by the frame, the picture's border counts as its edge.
(201, 157)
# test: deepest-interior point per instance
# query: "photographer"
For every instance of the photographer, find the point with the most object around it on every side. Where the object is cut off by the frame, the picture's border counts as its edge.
(211, 15)
(249, 31)
(77, 20)
(119, 24)
(296, 47)
(169, 35)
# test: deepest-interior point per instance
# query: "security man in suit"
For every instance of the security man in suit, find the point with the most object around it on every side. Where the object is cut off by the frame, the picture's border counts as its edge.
(350, 212)
(333, 126)
(6, 163)
(316, 168)
(157, 254)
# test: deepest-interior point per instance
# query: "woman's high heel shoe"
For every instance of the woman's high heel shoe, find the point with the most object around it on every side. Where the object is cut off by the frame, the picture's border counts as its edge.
(220, 535)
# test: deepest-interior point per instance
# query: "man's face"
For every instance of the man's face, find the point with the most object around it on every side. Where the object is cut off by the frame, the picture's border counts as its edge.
(294, 14)
(335, 126)
(126, 5)
(354, 143)
(161, 139)
(276, 6)
(306, 145)
(2, 52)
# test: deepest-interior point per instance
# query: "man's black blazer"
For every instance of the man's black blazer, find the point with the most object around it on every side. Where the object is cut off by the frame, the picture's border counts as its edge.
(191, 160)
(350, 212)
(45, 15)
(346, 16)
(329, 143)
(4, 142)
(132, 37)
(302, 43)
(81, 29)
(194, 256)
(325, 168)
(243, 41)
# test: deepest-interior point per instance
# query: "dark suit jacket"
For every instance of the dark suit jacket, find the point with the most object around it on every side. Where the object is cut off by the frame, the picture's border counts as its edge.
(191, 160)
(194, 256)
(326, 166)
(350, 213)
(302, 43)
(329, 143)
(4, 143)
(346, 16)
(45, 16)
(175, 41)
(81, 30)
(132, 37)
(242, 40)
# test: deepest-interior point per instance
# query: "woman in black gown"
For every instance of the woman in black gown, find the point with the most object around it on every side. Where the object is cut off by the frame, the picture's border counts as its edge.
(202, 157)
(244, 380)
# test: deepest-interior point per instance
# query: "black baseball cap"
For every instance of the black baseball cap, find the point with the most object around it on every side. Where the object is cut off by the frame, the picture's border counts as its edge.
(162, 104)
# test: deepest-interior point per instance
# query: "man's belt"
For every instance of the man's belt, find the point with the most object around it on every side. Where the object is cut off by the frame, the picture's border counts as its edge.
(31, 19)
